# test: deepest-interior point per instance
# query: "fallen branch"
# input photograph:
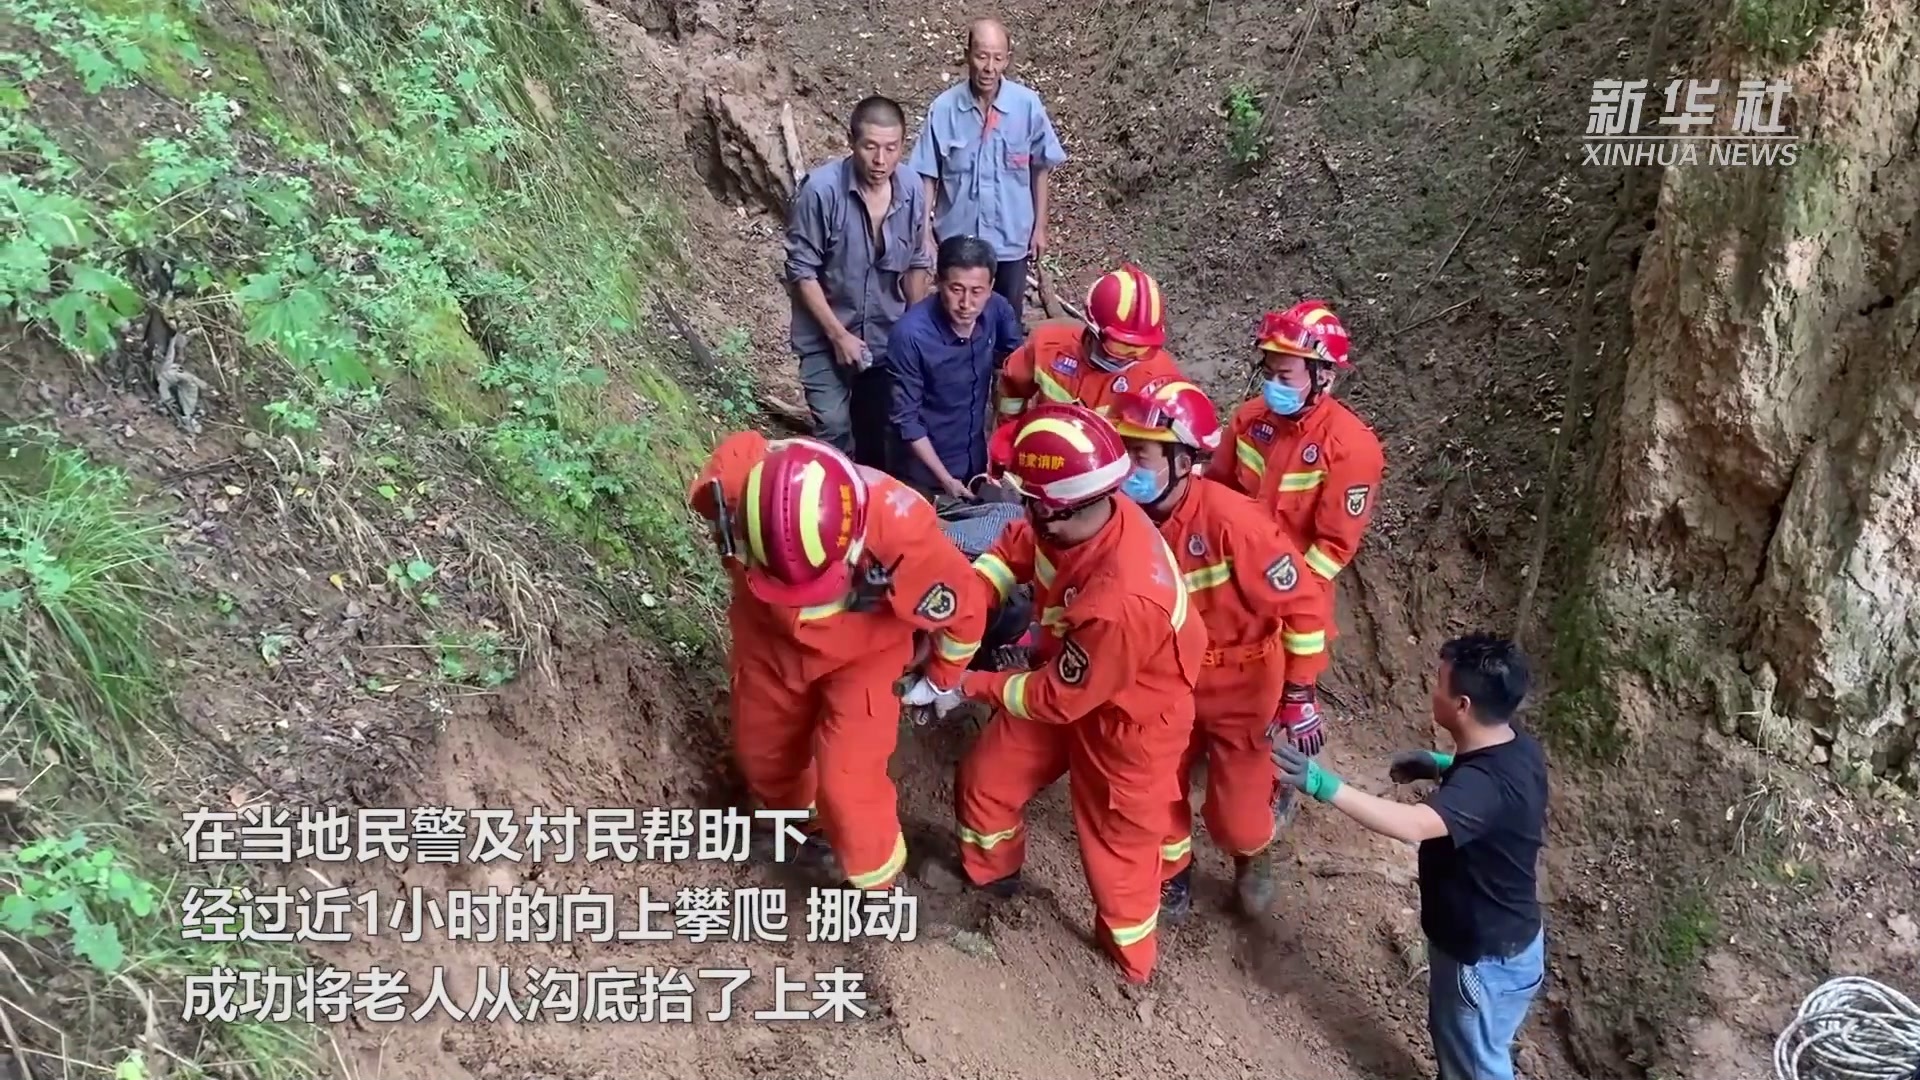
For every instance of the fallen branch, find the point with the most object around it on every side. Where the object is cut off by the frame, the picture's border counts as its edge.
(1038, 281)
(785, 412)
(1441, 314)
(13, 1040)
(790, 136)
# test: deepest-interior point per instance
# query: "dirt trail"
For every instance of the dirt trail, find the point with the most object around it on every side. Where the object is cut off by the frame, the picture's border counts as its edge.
(1332, 985)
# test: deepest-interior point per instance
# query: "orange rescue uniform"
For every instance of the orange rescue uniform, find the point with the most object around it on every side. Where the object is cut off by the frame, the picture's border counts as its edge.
(1265, 619)
(1052, 365)
(813, 708)
(1317, 473)
(1109, 703)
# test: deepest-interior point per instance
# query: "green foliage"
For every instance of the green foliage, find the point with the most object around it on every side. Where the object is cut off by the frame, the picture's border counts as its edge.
(81, 582)
(65, 885)
(1246, 145)
(1783, 31)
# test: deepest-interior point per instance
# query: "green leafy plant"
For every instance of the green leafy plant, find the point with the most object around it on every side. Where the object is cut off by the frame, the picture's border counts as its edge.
(64, 884)
(1246, 144)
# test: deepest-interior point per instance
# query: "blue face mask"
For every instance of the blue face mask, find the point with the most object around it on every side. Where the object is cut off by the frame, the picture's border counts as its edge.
(1281, 398)
(1143, 486)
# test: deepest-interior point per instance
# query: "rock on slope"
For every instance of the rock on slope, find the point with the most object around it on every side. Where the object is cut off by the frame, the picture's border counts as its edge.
(1767, 466)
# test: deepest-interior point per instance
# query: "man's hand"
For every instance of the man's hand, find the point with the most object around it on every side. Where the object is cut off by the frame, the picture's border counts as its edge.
(1411, 765)
(1299, 718)
(1037, 244)
(956, 488)
(1301, 772)
(848, 351)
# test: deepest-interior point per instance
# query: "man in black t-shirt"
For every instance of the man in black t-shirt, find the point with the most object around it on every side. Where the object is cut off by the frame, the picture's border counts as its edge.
(1480, 834)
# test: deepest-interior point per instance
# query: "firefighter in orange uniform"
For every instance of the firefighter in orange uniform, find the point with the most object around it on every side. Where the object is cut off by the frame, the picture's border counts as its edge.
(1265, 627)
(1314, 464)
(1121, 344)
(834, 568)
(1109, 701)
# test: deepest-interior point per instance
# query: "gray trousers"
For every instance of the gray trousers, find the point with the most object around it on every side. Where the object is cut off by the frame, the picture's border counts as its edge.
(850, 408)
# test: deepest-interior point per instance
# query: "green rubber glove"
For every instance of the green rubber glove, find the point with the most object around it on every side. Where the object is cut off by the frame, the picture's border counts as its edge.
(1297, 770)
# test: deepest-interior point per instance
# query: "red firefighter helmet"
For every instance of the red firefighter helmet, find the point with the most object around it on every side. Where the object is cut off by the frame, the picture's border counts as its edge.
(1168, 409)
(1124, 307)
(1066, 455)
(806, 523)
(1308, 329)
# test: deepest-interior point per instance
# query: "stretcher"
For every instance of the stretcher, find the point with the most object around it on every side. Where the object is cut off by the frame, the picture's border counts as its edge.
(973, 527)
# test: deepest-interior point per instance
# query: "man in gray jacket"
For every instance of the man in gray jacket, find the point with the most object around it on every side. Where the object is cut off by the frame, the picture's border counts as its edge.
(856, 257)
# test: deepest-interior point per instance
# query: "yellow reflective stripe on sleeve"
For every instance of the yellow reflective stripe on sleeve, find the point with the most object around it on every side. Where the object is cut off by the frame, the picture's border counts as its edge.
(1014, 696)
(1124, 936)
(952, 649)
(1177, 850)
(1209, 576)
(1249, 456)
(822, 611)
(1011, 406)
(895, 863)
(987, 841)
(1302, 481)
(1053, 618)
(1051, 388)
(1323, 564)
(997, 573)
(1310, 644)
(1042, 569)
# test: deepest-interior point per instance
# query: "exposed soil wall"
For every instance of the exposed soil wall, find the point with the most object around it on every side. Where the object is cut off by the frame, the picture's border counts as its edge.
(1767, 468)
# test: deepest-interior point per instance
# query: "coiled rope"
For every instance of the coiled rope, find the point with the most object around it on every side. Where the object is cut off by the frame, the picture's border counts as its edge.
(1851, 1028)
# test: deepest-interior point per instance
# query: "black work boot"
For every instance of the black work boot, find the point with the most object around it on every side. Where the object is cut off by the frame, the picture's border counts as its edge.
(1253, 881)
(1005, 888)
(1176, 896)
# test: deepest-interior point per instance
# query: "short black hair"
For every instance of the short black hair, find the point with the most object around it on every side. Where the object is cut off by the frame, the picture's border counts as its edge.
(1490, 672)
(964, 253)
(878, 110)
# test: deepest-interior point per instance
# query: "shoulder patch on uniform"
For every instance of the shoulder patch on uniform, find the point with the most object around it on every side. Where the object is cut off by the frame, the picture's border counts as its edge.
(1196, 545)
(1066, 598)
(1283, 574)
(939, 604)
(1357, 499)
(1072, 663)
(1263, 432)
(1120, 385)
(1311, 454)
(1066, 365)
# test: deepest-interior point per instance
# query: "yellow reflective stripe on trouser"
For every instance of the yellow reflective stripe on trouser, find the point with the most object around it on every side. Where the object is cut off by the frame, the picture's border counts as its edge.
(987, 841)
(1014, 696)
(997, 573)
(952, 649)
(1250, 456)
(1302, 481)
(1209, 576)
(1177, 850)
(1307, 644)
(1322, 563)
(1124, 936)
(1051, 388)
(895, 863)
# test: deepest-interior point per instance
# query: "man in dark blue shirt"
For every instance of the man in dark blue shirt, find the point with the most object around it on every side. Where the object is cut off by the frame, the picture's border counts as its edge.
(1480, 834)
(943, 354)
